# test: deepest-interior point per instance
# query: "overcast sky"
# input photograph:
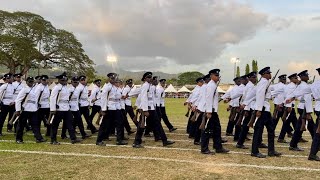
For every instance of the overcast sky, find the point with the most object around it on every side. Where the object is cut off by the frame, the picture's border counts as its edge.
(189, 35)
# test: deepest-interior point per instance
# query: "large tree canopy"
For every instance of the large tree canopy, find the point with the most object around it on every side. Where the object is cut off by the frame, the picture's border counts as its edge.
(189, 77)
(29, 41)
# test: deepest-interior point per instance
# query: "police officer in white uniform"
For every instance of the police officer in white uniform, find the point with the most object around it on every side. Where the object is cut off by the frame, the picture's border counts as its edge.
(6, 100)
(26, 109)
(43, 101)
(60, 108)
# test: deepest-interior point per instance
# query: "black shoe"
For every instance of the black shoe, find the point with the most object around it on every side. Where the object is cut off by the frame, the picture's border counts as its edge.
(229, 134)
(282, 141)
(224, 141)
(75, 141)
(274, 154)
(40, 140)
(93, 131)
(55, 143)
(131, 132)
(64, 137)
(191, 137)
(303, 140)
(295, 149)
(157, 139)
(241, 146)
(167, 143)
(86, 136)
(100, 144)
(196, 143)
(313, 158)
(147, 135)
(19, 141)
(121, 143)
(262, 145)
(208, 152)
(172, 129)
(137, 146)
(222, 150)
(258, 155)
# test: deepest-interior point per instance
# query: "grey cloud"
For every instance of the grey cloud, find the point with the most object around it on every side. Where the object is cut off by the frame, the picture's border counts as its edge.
(185, 31)
(279, 24)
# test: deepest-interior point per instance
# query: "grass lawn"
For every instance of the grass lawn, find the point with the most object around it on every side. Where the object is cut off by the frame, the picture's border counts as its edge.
(180, 161)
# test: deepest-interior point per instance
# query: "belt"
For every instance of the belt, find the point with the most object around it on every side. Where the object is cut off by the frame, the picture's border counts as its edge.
(302, 101)
(113, 99)
(30, 101)
(150, 99)
(45, 100)
(317, 99)
(63, 101)
(84, 99)
(73, 99)
(7, 97)
(267, 99)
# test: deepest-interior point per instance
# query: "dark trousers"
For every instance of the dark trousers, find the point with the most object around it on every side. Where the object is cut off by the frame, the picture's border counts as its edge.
(111, 117)
(66, 116)
(125, 120)
(34, 122)
(316, 138)
(279, 115)
(231, 124)
(85, 112)
(43, 115)
(76, 121)
(264, 120)
(5, 110)
(129, 110)
(197, 135)
(164, 117)
(190, 123)
(155, 122)
(94, 110)
(297, 135)
(244, 128)
(286, 128)
(213, 130)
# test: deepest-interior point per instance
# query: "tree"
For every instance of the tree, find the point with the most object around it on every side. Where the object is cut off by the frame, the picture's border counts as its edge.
(32, 42)
(188, 77)
(172, 81)
(247, 69)
(255, 65)
(238, 71)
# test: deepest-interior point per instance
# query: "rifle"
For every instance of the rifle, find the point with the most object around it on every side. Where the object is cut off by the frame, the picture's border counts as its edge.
(188, 112)
(253, 118)
(204, 122)
(14, 119)
(303, 119)
(233, 113)
(241, 117)
(143, 121)
(135, 118)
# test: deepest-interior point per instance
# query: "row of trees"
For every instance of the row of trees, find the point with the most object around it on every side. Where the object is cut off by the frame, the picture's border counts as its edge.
(254, 67)
(28, 41)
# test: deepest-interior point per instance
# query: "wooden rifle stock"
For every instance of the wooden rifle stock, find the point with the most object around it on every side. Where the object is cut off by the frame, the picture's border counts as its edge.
(203, 122)
(188, 112)
(252, 119)
(142, 120)
(135, 118)
(240, 118)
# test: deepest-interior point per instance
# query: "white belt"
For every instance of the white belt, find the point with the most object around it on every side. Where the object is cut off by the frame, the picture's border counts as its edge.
(30, 101)
(63, 101)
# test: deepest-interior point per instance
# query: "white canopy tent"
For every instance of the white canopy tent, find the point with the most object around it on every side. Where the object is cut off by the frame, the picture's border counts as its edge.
(170, 89)
(184, 89)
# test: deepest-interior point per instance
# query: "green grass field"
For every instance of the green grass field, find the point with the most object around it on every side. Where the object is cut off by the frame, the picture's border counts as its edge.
(183, 160)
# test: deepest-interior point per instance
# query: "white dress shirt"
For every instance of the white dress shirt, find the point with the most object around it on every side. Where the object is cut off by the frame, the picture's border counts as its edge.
(289, 91)
(29, 97)
(95, 94)
(126, 91)
(74, 98)
(315, 88)
(83, 99)
(278, 92)
(200, 103)
(142, 100)
(60, 96)
(250, 96)
(6, 93)
(44, 95)
(212, 97)
(17, 88)
(263, 95)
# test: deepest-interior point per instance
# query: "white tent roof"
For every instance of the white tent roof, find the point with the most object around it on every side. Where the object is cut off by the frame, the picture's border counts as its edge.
(90, 87)
(1, 81)
(184, 89)
(170, 88)
(52, 85)
(220, 90)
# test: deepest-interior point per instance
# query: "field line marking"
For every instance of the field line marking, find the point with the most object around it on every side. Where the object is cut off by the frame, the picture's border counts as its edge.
(281, 168)
(156, 147)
